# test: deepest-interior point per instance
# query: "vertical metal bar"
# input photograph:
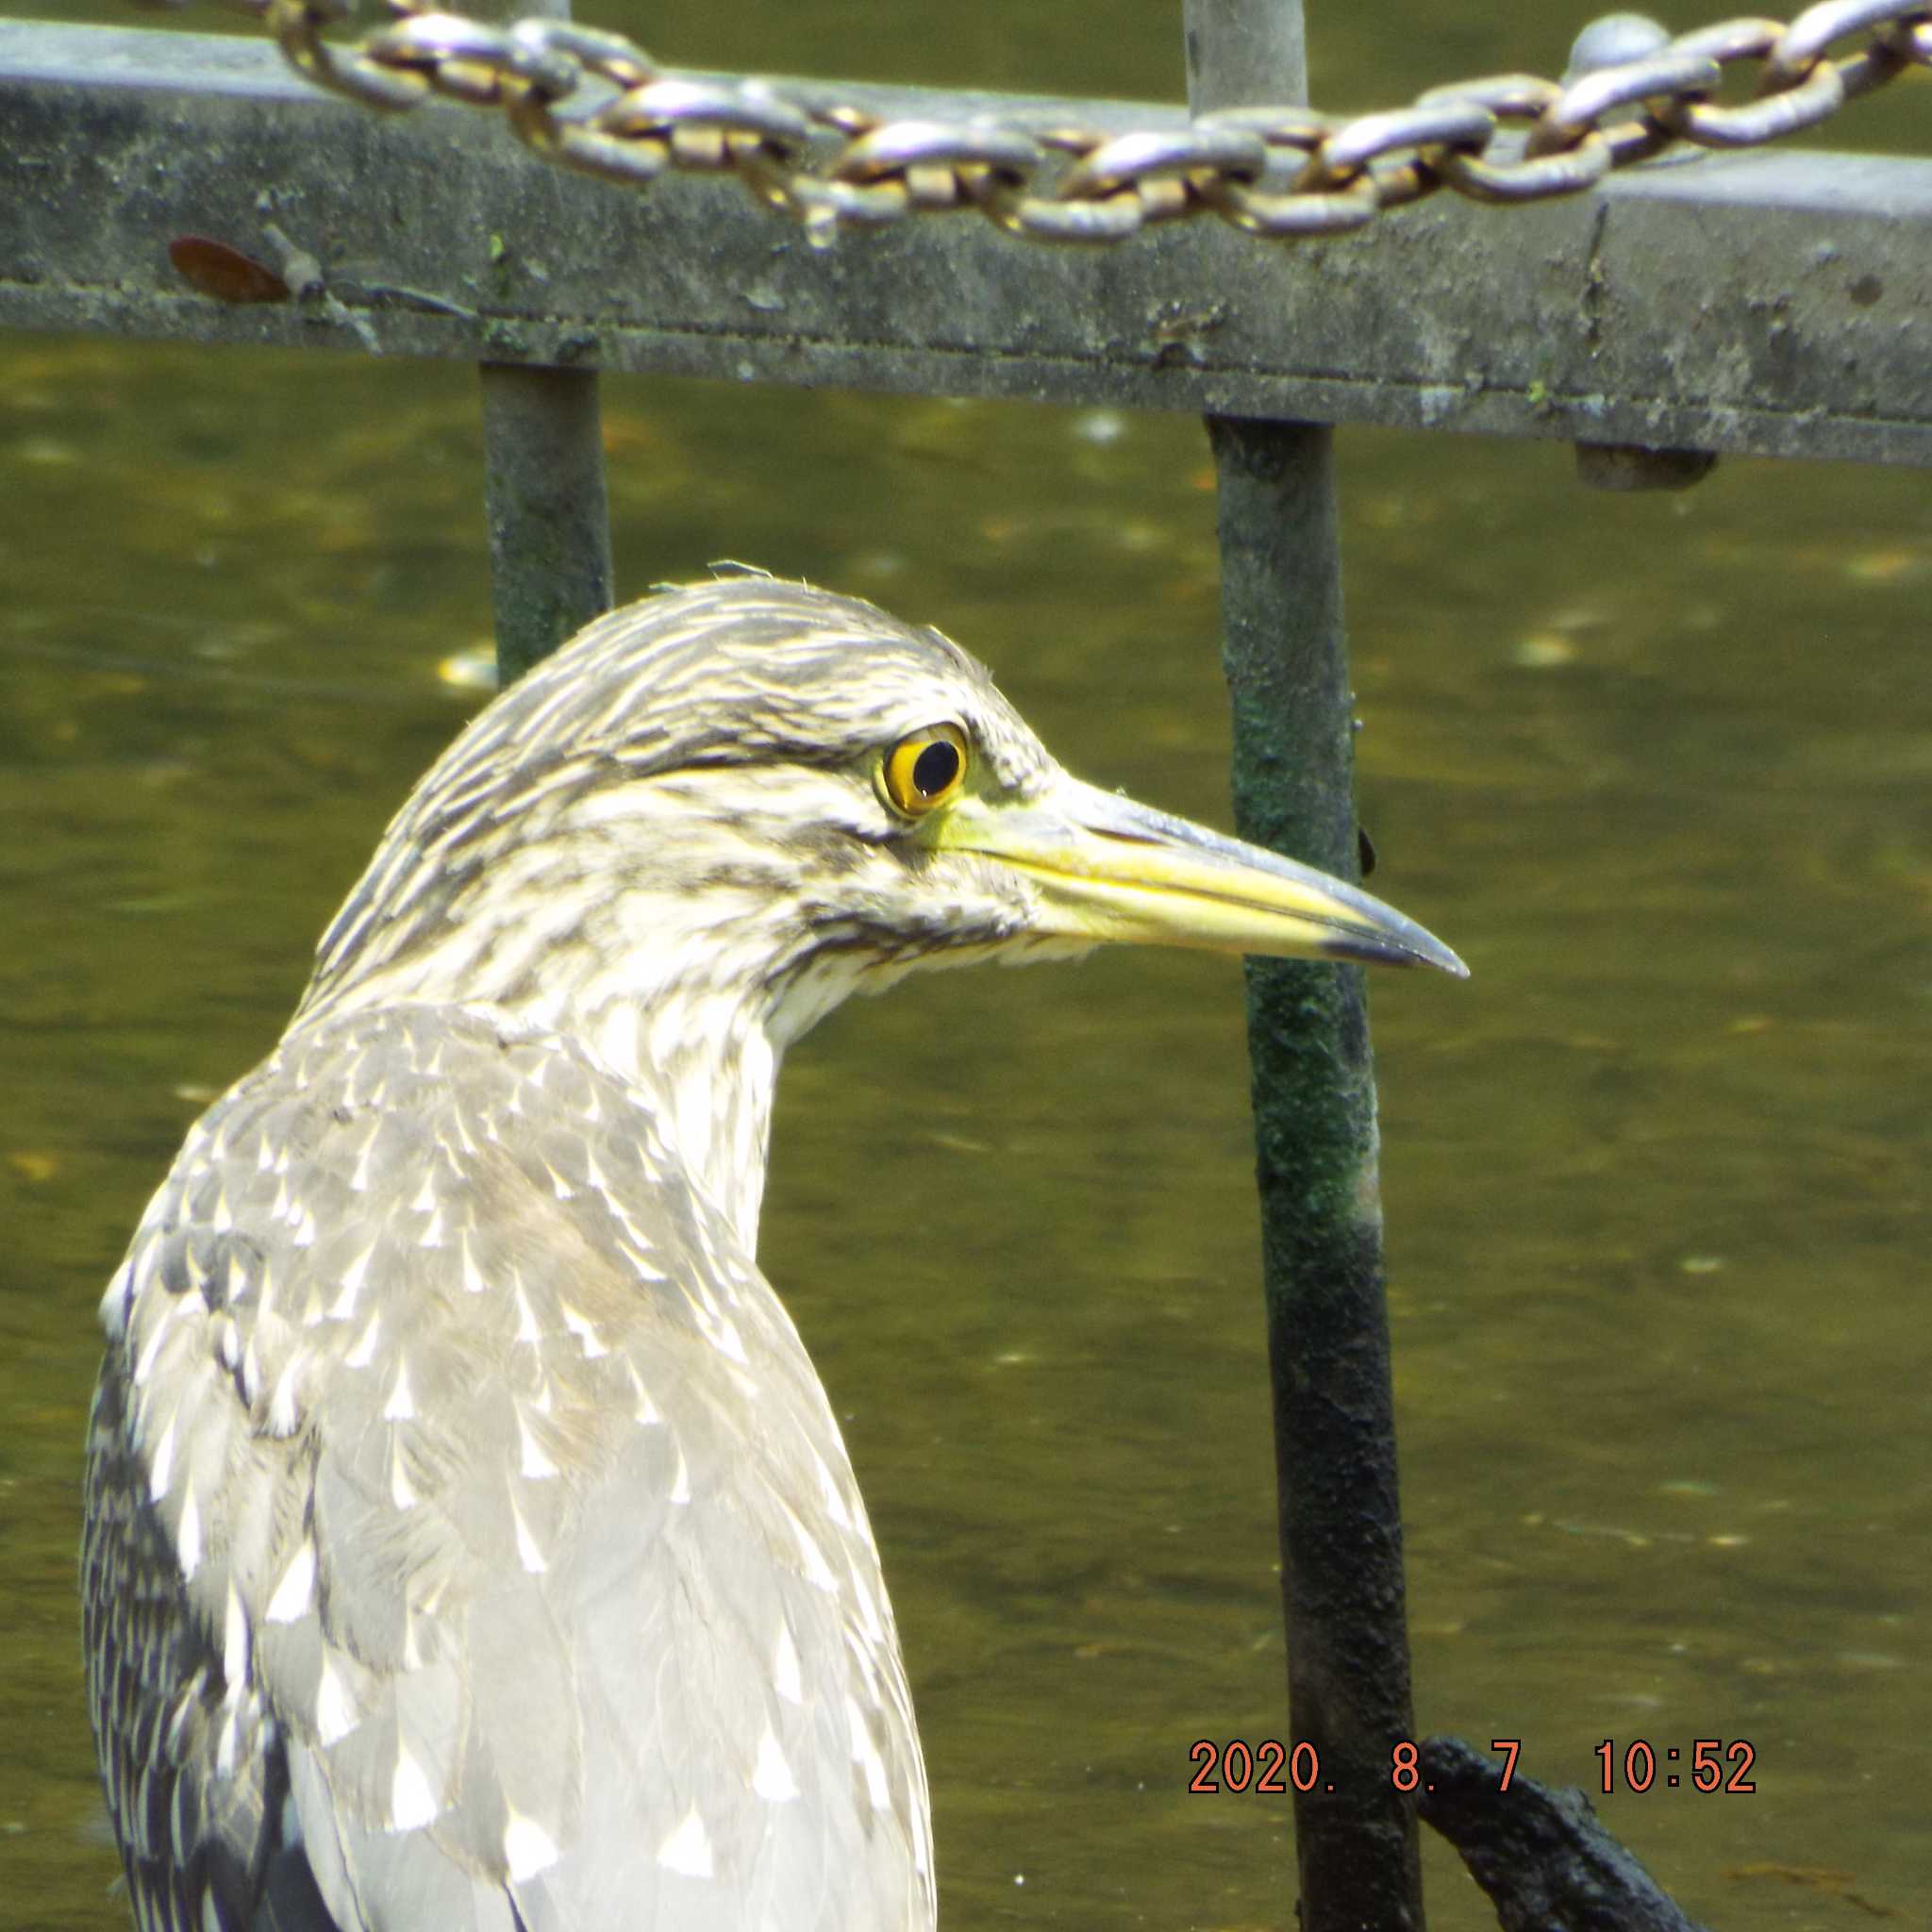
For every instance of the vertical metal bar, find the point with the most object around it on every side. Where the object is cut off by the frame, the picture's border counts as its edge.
(1244, 52)
(544, 493)
(1314, 1097)
(549, 522)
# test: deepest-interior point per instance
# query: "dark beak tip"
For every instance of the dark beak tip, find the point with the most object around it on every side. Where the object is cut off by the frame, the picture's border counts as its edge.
(1421, 947)
(1386, 952)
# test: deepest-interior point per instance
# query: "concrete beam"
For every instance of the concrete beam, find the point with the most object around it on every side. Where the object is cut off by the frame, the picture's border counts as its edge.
(1778, 303)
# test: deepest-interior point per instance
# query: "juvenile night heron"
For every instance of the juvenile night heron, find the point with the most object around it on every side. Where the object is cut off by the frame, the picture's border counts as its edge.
(469, 1542)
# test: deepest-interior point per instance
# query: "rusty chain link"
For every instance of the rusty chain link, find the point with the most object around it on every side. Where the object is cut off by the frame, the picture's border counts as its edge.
(594, 100)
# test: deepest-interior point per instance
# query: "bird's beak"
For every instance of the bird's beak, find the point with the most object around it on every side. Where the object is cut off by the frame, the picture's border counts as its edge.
(1106, 868)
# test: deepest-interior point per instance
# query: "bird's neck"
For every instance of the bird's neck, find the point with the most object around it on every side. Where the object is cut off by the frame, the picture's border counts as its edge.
(691, 1000)
(661, 1002)
(689, 995)
(709, 1068)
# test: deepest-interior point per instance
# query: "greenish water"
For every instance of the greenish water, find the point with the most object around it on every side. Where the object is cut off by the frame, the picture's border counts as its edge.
(1655, 1180)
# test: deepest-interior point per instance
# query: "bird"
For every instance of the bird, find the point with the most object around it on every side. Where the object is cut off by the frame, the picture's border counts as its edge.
(468, 1540)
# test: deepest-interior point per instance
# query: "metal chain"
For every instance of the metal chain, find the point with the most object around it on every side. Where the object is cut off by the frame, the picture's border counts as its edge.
(594, 100)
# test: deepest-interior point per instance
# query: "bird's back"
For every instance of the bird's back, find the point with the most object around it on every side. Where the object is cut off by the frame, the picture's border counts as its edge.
(463, 1503)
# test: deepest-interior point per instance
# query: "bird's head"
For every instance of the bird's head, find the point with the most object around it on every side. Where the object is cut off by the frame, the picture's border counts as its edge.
(717, 813)
(784, 796)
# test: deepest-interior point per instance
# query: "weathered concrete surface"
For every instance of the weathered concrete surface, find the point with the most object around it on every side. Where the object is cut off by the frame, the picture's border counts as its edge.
(1775, 304)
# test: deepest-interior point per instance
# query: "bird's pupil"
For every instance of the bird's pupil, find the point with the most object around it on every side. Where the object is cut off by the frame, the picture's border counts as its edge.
(935, 768)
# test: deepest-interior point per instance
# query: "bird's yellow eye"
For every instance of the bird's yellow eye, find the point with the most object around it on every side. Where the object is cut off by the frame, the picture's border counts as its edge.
(925, 769)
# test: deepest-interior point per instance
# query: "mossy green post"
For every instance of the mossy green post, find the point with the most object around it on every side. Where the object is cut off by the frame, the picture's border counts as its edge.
(1286, 658)
(1314, 1098)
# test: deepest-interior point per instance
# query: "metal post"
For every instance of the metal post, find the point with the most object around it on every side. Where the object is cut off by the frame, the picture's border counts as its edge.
(1314, 1100)
(543, 491)
(549, 525)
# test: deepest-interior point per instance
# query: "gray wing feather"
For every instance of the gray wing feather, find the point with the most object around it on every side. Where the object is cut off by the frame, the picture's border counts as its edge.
(458, 1477)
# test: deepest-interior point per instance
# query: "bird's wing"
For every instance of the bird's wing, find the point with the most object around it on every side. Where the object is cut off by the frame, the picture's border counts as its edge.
(469, 1461)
